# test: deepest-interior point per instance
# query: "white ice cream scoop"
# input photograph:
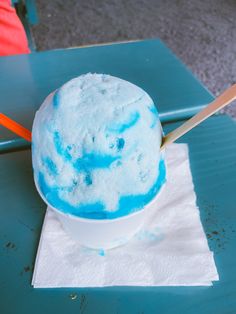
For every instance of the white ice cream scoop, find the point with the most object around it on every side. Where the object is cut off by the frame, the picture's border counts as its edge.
(95, 150)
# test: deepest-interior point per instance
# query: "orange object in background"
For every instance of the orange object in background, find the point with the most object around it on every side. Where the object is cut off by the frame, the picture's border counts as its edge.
(15, 127)
(13, 39)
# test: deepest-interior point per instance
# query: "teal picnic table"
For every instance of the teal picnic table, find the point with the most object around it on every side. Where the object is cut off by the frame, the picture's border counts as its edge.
(25, 81)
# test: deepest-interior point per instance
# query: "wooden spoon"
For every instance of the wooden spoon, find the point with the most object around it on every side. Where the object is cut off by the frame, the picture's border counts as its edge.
(220, 102)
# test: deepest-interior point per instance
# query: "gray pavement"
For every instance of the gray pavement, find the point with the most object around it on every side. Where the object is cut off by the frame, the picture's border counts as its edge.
(201, 33)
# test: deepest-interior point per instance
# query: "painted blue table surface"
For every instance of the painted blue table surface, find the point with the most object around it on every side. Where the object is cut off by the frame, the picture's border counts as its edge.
(212, 148)
(26, 80)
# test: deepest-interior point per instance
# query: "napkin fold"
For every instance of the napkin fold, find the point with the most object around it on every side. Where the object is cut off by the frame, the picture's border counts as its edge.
(170, 250)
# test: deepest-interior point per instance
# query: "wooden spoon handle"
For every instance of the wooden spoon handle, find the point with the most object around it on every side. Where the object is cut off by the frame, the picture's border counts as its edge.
(220, 102)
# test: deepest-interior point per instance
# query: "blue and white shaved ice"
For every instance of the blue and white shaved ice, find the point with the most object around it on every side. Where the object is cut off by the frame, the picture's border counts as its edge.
(96, 148)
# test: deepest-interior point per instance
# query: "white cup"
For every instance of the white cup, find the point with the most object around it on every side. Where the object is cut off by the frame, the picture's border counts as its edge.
(102, 233)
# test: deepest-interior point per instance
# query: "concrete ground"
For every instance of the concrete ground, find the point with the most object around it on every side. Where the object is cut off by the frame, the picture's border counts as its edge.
(201, 33)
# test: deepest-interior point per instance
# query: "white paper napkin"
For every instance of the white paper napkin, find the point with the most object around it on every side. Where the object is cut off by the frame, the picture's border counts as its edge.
(171, 250)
